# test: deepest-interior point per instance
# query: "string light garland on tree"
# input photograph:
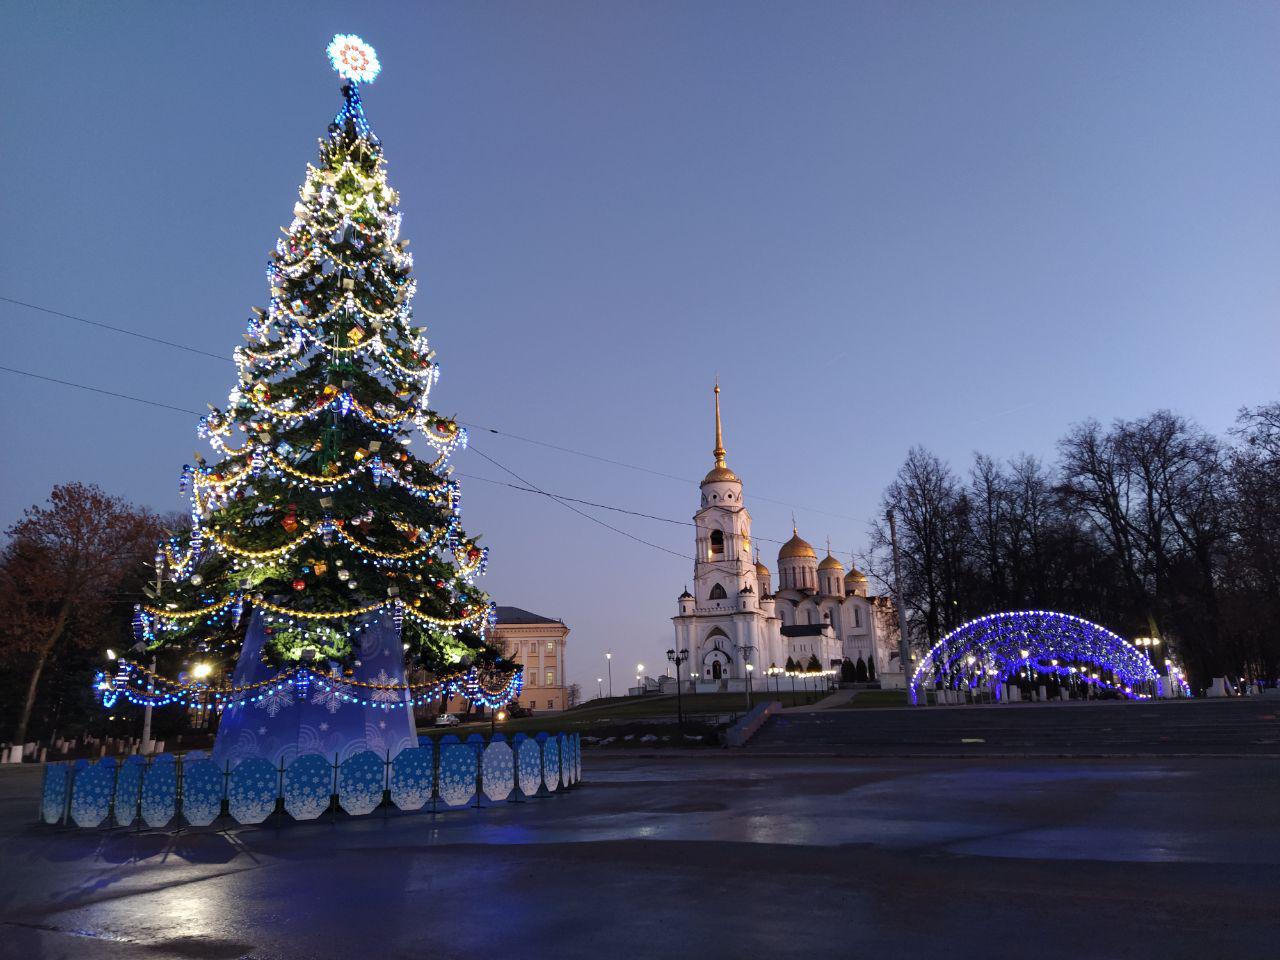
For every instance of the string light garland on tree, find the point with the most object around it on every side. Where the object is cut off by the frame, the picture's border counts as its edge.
(316, 514)
(1036, 644)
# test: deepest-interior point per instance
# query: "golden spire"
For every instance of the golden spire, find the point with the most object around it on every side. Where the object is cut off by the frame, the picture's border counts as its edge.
(718, 452)
(720, 473)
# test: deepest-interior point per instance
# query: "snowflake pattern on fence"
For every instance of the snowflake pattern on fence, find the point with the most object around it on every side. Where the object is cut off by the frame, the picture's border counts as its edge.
(379, 695)
(530, 756)
(276, 699)
(308, 784)
(498, 770)
(91, 793)
(551, 762)
(160, 791)
(327, 696)
(255, 784)
(569, 766)
(360, 783)
(53, 793)
(202, 788)
(412, 778)
(457, 773)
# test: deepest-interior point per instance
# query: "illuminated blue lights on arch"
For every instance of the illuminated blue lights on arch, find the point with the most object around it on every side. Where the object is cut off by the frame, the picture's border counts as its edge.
(994, 649)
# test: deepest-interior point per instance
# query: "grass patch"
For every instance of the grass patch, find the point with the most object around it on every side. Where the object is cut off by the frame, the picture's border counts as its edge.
(876, 698)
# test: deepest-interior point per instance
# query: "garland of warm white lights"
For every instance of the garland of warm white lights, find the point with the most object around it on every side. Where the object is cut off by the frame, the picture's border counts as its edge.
(991, 649)
(145, 688)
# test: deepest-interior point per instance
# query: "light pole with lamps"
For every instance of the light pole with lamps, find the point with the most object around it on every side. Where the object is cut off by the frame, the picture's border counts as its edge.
(640, 677)
(599, 688)
(608, 659)
(678, 658)
(747, 649)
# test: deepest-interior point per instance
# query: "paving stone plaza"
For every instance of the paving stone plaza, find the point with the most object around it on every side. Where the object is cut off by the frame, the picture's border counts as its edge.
(1110, 839)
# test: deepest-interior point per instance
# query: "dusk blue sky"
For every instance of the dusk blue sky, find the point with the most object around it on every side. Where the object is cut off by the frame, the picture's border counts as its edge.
(963, 225)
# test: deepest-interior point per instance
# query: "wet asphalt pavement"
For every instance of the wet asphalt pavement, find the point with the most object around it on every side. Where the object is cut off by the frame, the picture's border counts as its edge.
(708, 854)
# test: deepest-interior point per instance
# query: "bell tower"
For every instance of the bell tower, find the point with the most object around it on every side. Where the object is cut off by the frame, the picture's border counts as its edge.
(723, 566)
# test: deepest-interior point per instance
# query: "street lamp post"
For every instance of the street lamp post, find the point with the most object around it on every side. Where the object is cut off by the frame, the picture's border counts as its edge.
(608, 659)
(599, 688)
(747, 649)
(678, 658)
(640, 678)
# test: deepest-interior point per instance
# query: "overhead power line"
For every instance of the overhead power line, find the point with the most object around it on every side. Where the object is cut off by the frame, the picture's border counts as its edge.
(569, 506)
(114, 329)
(109, 393)
(476, 426)
(525, 487)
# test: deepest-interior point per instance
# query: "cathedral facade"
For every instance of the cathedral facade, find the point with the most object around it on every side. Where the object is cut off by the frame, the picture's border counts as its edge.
(819, 616)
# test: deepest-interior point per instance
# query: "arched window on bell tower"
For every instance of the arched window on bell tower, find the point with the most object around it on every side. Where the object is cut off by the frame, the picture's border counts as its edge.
(717, 544)
(717, 593)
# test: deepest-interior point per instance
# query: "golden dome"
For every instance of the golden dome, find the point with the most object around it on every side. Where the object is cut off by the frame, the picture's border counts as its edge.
(720, 475)
(831, 563)
(855, 576)
(796, 547)
(761, 569)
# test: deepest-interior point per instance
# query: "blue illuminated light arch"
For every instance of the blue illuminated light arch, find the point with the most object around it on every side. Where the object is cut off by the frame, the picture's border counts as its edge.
(990, 650)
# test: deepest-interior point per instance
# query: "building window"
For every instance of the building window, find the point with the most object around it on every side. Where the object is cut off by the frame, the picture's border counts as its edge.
(857, 616)
(551, 678)
(551, 646)
(717, 543)
(717, 592)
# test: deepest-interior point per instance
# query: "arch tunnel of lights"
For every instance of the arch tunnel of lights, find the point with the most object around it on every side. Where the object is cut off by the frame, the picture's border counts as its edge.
(1039, 644)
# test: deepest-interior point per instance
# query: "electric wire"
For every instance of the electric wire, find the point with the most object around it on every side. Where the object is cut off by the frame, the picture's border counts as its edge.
(476, 426)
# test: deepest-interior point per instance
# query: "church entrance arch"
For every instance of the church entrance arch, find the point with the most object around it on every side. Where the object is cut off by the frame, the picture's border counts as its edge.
(715, 662)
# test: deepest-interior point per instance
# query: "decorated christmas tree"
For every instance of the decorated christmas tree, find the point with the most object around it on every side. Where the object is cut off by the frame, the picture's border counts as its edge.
(322, 552)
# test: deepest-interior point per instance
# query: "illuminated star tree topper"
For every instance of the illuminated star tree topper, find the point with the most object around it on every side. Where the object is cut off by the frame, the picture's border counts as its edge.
(353, 58)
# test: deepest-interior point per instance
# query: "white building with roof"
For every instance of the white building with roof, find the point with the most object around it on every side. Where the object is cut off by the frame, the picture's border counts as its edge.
(734, 617)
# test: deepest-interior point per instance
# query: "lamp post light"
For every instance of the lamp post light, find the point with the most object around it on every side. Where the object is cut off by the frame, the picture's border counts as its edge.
(608, 659)
(599, 688)
(746, 650)
(640, 678)
(677, 659)
(1148, 644)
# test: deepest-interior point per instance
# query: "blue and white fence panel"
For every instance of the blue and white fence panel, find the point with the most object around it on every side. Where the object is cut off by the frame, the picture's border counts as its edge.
(194, 790)
(498, 769)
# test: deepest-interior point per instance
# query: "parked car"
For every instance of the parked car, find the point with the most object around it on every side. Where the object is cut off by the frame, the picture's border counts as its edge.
(447, 720)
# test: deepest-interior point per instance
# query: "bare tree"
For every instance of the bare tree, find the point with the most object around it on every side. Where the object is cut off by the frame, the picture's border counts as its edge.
(65, 560)
(932, 515)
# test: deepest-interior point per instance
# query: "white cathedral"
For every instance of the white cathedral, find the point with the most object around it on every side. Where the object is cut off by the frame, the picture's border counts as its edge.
(735, 619)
